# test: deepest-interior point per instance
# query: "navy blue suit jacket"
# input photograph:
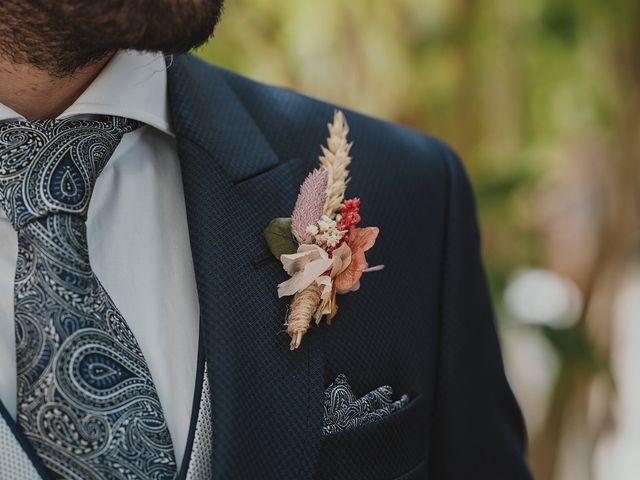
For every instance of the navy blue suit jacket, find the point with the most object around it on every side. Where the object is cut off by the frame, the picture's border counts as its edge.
(424, 325)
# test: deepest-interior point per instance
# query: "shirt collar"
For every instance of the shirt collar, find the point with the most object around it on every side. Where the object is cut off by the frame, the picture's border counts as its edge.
(133, 85)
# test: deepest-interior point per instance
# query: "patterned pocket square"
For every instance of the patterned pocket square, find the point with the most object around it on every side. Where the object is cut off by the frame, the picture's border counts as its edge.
(343, 411)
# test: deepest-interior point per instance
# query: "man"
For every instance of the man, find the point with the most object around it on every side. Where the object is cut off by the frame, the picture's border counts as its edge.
(174, 363)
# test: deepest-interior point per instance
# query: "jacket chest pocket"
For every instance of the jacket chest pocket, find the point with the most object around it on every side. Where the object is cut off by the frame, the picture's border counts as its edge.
(393, 447)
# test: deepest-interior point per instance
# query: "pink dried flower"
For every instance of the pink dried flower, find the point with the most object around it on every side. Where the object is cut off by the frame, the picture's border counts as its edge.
(309, 205)
(360, 241)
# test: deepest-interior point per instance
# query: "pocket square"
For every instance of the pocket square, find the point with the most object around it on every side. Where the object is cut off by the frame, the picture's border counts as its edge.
(343, 411)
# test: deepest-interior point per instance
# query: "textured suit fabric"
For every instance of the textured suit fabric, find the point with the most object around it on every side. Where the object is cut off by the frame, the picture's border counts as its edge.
(424, 325)
(15, 462)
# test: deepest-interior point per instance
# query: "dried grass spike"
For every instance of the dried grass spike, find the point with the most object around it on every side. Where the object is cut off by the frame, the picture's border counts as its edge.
(309, 205)
(335, 159)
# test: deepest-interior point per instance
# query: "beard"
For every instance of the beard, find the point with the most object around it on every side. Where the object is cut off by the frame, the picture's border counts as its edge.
(63, 36)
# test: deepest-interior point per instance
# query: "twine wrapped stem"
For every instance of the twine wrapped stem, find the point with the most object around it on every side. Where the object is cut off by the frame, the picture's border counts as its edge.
(304, 305)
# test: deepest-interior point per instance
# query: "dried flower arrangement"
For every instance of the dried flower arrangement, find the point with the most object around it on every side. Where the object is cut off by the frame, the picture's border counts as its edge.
(320, 245)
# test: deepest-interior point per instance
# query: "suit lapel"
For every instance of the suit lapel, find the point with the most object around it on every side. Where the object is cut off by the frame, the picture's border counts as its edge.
(267, 401)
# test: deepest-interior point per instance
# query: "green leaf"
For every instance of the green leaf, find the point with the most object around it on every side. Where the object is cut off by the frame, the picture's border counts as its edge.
(279, 237)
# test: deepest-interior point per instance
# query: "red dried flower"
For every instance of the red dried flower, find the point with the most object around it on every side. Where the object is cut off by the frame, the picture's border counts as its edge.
(349, 214)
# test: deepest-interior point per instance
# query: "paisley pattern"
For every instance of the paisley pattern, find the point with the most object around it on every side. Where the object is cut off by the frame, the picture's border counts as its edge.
(342, 411)
(337, 395)
(86, 399)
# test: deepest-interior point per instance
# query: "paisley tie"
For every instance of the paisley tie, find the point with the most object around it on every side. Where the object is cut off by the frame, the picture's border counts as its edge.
(86, 399)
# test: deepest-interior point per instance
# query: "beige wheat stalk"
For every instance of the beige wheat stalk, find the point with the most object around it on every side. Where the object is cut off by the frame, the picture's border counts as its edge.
(335, 160)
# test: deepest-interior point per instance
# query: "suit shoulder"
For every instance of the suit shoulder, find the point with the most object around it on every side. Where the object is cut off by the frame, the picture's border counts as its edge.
(295, 124)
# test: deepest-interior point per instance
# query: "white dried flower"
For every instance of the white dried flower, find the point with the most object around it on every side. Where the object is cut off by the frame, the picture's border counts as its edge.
(325, 223)
(333, 237)
(326, 234)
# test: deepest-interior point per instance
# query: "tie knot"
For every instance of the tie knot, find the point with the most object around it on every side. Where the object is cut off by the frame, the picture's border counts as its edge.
(51, 166)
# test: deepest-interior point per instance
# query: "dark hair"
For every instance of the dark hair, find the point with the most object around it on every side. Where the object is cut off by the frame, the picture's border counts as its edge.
(63, 36)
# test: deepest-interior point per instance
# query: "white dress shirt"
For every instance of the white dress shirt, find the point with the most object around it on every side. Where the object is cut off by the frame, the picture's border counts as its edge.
(138, 238)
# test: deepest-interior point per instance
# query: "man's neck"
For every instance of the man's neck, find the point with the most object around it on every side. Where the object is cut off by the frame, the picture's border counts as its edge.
(36, 94)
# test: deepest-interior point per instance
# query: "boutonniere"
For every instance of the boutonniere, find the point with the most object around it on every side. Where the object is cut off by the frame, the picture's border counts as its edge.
(321, 245)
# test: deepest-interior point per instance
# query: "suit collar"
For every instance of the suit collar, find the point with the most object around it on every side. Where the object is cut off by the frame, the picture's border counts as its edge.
(234, 185)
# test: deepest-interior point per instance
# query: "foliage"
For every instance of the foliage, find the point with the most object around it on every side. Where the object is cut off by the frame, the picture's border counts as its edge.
(279, 237)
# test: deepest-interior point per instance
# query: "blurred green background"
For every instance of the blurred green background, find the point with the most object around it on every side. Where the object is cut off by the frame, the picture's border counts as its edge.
(540, 98)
